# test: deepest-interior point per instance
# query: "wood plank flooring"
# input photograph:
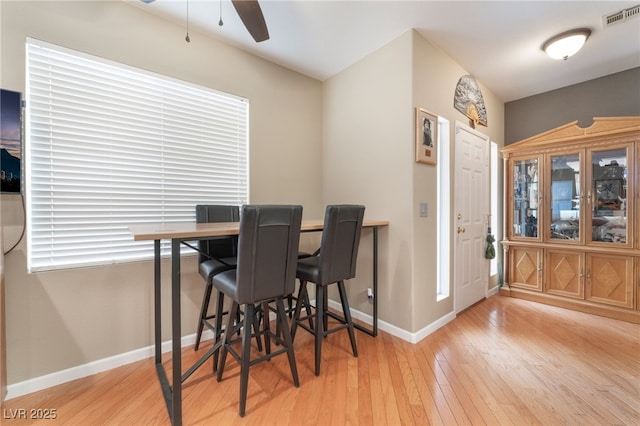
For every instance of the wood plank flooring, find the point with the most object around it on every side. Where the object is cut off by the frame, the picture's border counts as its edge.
(502, 361)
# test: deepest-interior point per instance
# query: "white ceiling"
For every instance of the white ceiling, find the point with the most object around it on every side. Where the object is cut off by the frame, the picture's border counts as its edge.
(498, 42)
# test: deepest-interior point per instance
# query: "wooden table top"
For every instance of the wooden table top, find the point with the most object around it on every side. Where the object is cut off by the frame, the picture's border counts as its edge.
(193, 230)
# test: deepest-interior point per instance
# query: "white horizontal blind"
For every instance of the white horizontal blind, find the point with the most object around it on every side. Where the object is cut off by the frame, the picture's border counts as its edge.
(110, 146)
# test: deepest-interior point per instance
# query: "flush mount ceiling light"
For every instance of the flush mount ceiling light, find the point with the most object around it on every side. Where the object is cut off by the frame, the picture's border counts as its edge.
(566, 44)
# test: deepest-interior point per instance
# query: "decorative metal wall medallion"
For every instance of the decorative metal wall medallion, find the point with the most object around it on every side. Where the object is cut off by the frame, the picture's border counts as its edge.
(469, 101)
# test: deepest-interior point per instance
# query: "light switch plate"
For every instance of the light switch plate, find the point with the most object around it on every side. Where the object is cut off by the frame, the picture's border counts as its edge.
(424, 209)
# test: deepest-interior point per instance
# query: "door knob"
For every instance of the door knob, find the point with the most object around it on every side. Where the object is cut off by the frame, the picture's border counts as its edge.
(461, 230)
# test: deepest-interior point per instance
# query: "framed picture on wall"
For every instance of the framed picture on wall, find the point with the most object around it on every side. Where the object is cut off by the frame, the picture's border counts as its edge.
(10, 141)
(426, 137)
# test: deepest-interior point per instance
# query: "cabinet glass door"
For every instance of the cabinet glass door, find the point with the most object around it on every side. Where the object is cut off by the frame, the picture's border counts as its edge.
(565, 197)
(525, 198)
(609, 196)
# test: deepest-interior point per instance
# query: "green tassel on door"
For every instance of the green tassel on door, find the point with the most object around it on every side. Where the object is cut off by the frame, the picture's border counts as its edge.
(490, 253)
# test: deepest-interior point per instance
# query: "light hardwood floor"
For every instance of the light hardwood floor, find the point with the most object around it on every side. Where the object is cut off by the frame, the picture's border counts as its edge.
(502, 361)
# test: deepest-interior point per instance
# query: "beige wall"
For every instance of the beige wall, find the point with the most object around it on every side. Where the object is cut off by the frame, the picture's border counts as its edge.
(366, 159)
(62, 319)
(369, 157)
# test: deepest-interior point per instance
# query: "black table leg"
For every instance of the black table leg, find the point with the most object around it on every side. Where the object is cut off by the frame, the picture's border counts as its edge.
(157, 300)
(374, 331)
(176, 335)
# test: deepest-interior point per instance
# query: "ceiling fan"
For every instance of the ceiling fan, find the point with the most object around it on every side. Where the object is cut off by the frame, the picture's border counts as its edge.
(251, 15)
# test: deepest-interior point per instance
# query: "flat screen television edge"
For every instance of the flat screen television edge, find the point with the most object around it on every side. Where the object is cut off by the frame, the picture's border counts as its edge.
(10, 141)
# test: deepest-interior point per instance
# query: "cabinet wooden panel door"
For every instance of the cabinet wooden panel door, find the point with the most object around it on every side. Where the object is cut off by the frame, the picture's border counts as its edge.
(610, 279)
(637, 214)
(637, 281)
(564, 273)
(524, 189)
(563, 201)
(610, 192)
(526, 267)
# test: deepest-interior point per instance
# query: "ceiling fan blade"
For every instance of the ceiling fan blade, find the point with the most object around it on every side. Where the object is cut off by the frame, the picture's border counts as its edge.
(252, 17)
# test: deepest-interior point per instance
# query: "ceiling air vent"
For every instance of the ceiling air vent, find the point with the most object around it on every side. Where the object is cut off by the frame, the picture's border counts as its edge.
(622, 16)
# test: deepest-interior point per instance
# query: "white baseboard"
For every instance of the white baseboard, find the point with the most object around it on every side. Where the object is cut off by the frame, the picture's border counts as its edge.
(397, 331)
(49, 380)
(59, 377)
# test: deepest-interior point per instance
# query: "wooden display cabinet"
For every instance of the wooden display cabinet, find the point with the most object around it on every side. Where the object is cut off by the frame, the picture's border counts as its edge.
(572, 228)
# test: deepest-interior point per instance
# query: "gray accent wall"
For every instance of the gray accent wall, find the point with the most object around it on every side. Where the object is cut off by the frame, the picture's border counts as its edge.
(613, 95)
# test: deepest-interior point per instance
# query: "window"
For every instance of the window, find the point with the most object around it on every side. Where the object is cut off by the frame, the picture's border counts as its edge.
(444, 210)
(109, 146)
(495, 165)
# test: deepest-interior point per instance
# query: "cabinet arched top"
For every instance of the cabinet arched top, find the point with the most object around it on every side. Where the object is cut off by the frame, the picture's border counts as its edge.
(602, 128)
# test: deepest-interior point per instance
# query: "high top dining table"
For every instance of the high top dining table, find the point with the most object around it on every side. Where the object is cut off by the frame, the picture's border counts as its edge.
(179, 233)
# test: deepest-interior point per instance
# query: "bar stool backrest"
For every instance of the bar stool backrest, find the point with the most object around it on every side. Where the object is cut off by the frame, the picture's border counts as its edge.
(340, 242)
(218, 247)
(267, 252)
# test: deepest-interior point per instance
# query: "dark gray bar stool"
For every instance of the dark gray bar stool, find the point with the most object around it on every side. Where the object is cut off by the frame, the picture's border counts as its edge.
(335, 263)
(266, 272)
(216, 255)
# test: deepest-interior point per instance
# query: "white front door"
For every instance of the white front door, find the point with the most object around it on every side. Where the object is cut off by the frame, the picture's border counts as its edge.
(471, 213)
